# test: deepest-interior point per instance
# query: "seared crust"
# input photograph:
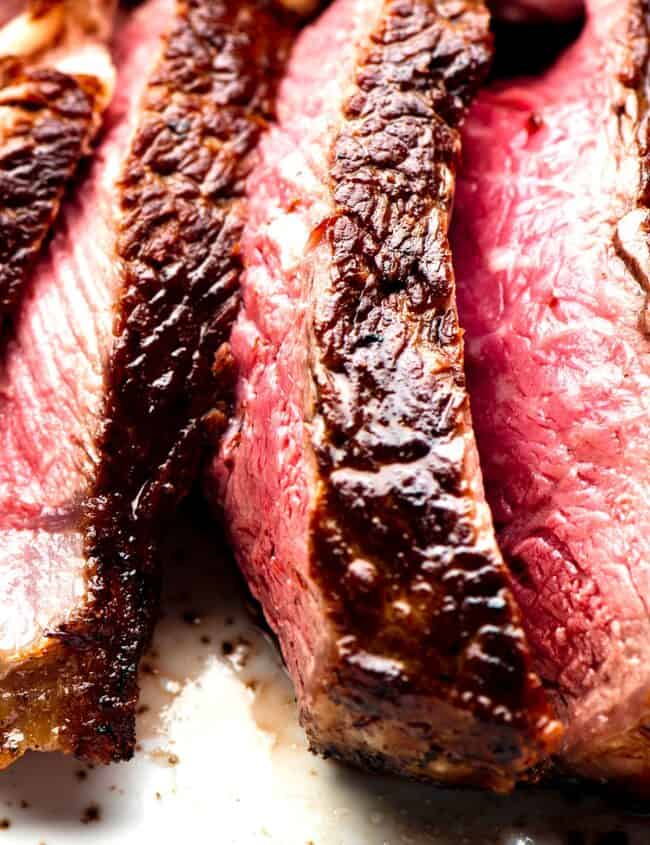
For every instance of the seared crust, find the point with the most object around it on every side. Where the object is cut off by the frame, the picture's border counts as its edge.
(431, 674)
(181, 192)
(182, 203)
(47, 120)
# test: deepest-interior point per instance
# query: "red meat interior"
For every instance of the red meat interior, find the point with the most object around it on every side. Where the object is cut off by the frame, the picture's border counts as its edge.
(51, 378)
(559, 370)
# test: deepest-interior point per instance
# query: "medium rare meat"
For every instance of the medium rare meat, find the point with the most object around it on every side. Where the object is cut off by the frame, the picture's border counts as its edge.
(550, 242)
(349, 481)
(47, 121)
(100, 423)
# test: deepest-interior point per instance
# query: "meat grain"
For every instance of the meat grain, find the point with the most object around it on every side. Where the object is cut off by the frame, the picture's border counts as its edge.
(117, 357)
(56, 78)
(550, 244)
(349, 480)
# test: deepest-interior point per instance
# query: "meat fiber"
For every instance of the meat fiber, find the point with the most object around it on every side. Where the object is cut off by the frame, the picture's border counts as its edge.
(101, 422)
(349, 481)
(551, 250)
(51, 101)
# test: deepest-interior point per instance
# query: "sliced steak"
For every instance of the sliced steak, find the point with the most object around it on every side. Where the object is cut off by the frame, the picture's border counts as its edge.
(551, 250)
(47, 121)
(100, 431)
(350, 481)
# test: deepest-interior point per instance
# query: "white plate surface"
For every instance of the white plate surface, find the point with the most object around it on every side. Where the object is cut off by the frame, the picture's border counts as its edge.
(223, 760)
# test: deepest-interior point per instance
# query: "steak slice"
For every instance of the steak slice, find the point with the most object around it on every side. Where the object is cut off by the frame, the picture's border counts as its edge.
(53, 119)
(350, 481)
(100, 431)
(550, 243)
(47, 121)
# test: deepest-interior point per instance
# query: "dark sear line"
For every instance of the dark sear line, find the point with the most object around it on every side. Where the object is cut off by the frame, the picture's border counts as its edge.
(47, 121)
(391, 446)
(95, 466)
(168, 380)
(349, 479)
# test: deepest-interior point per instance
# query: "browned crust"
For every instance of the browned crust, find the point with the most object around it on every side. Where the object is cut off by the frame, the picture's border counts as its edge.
(182, 203)
(457, 698)
(47, 120)
(182, 213)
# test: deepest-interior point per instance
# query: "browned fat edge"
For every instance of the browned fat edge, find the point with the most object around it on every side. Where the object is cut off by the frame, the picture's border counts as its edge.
(181, 195)
(395, 532)
(48, 123)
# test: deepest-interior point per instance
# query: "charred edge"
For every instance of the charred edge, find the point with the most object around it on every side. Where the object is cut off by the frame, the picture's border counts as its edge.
(182, 201)
(457, 771)
(48, 131)
(394, 499)
(427, 741)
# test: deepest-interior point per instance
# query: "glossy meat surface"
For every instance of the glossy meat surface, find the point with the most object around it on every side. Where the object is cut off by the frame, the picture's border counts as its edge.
(50, 405)
(350, 480)
(114, 364)
(168, 384)
(551, 254)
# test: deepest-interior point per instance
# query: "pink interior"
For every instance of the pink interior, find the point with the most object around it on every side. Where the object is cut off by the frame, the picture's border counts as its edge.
(264, 470)
(559, 372)
(52, 371)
